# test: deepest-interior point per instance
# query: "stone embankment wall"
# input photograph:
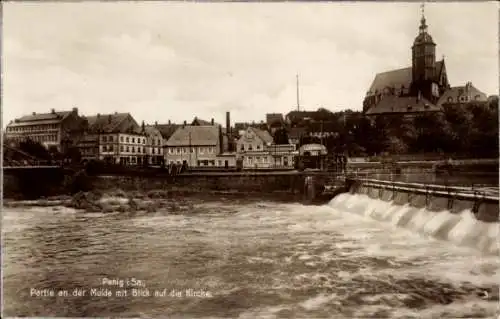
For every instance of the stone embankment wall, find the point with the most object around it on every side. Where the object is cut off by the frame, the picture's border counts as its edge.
(240, 182)
(433, 197)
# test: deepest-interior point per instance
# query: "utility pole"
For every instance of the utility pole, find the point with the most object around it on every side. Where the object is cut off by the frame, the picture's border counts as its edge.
(190, 159)
(298, 101)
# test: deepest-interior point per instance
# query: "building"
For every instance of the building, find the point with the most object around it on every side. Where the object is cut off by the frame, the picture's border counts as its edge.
(421, 88)
(59, 129)
(118, 139)
(296, 117)
(166, 130)
(295, 135)
(195, 145)
(462, 95)
(154, 145)
(256, 149)
(312, 150)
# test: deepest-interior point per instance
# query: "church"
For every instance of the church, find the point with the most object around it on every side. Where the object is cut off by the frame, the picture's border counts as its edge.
(418, 89)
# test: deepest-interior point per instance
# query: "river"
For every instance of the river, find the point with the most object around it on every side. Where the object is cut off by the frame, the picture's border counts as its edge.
(227, 258)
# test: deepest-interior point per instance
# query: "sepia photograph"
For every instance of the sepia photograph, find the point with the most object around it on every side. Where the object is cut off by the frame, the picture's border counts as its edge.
(274, 159)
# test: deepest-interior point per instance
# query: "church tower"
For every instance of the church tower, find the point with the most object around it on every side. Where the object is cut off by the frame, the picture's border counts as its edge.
(423, 63)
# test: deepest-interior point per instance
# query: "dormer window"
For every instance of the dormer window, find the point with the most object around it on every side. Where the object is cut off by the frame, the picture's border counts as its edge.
(450, 99)
(476, 97)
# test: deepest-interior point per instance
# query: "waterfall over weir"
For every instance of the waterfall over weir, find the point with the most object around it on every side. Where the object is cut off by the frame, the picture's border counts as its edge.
(461, 228)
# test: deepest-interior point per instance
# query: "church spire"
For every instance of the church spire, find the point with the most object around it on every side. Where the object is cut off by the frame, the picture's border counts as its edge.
(423, 25)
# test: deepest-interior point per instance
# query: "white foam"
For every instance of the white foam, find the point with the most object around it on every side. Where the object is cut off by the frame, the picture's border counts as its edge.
(462, 229)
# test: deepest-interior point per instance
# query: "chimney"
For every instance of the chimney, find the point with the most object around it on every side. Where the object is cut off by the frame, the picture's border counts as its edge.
(34, 113)
(169, 122)
(52, 111)
(228, 124)
(109, 119)
(98, 115)
(75, 110)
(212, 121)
(185, 123)
(156, 123)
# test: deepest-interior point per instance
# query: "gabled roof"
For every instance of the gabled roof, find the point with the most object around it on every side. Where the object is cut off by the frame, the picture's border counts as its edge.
(263, 135)
(397, 78)
(110, 123)
(399, 104)
(151, 129)
(167, 130)
(454, 94)
(206, 135)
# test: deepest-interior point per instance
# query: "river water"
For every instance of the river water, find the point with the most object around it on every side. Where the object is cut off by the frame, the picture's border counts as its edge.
(242, 259)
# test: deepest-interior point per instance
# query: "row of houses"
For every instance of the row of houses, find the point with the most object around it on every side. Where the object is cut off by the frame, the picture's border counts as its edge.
(118, 138)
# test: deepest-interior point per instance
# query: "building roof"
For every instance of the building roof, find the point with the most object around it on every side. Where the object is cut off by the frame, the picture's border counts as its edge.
(313, 148)
(265, 136)
(45, 118)
(205, 135)
(397, 78)
(151, 129)
(167, 130)
(108, 122)
(300, 114)
(272, 118)
(402, 104)
(454, 95)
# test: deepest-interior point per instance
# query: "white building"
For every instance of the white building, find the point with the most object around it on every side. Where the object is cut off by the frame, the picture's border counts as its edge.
(154, 141)
(256, 149)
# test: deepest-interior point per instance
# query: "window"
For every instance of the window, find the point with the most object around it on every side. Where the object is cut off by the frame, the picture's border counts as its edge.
(191, 150)
(250, 147)
(153, 150)
(127, 139)
(133, 149)
(185, 150)
(133, 140)
(258, 147)
(450, 99)
(121, 148)
(476, 97)
(178, 150)
(242, 147)
(128, 149)
(121, 139)
(144, 141)
(110, 138)
(220, 163)
(104, 138)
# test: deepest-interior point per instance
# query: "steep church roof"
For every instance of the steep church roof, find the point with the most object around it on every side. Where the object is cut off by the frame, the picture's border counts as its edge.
(398, 78)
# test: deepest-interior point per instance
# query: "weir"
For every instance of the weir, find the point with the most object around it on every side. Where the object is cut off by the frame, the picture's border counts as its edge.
(464, 216)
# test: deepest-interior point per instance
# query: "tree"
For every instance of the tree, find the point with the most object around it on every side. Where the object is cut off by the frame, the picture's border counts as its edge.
(35, 149)
(73, 154)
(281, 136)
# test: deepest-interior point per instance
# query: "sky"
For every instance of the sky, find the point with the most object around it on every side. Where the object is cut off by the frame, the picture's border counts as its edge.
(173, 61)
